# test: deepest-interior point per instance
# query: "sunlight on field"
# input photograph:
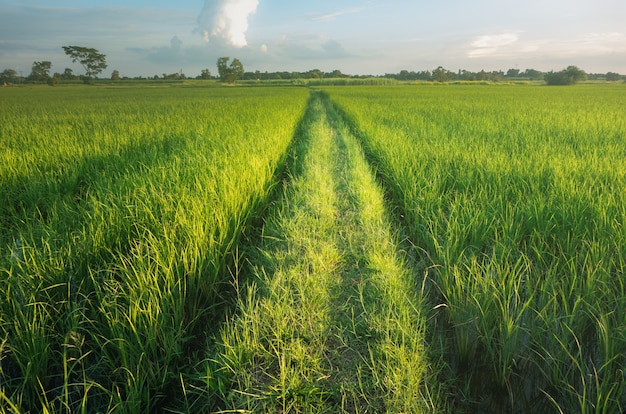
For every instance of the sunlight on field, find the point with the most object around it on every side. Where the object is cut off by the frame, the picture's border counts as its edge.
(121, 212)
(514, 197)
(133, 222)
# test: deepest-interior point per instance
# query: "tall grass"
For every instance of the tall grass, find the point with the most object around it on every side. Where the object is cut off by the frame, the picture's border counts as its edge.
(515, 197)
(121, 211)
(330, 322)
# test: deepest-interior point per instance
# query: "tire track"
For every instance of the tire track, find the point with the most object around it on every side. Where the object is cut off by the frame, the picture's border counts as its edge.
(332, 321)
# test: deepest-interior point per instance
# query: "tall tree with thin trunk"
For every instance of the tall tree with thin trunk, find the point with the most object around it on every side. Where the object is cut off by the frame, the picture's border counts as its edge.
(93, 61)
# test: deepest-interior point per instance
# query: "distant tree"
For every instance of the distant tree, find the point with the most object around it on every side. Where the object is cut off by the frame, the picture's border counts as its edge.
(557, 78)
(315, 74)
(612, 76)
(67, 74)
(532, 74)
(54, 80)
(336, 74)
(222, 68)
(236, 70)
(496, 76)
(482, 75)
(424, 75)
(92, 61)
(569, 76)
(512, 73)
(229, 73)
(576, 74)
(467, 75)
(205, 74)
(442, 75)
(40, 71)
(115, 75)
(8, 76)
(403, 75)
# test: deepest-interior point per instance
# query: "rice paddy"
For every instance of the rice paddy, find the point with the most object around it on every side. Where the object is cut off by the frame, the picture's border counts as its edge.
(355, 249)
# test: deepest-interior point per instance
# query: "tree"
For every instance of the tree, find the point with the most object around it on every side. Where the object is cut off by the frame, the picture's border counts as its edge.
(8, 76)
(496, 75)
(93, 61)
(229, 73)
(115, 75)
(481, 76)
(575, 74)
(336, 74)
(67, 74)
(54, 80)
(222, 67)
(569, 76)
(532, 74)
(557, 78)
(442, 75)
(315, 74)
(612, 76)
(40, 71)
(236, 69)
(512, 73)
(205, 74)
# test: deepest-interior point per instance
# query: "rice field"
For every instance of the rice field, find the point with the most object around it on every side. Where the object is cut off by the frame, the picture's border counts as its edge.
(514, 198)
(121, 215)
(355, 249)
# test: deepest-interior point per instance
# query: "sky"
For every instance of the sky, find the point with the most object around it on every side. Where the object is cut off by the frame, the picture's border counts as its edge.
(153, 37)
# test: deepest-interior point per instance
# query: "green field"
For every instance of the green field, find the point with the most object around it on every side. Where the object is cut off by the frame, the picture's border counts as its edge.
(361, 249)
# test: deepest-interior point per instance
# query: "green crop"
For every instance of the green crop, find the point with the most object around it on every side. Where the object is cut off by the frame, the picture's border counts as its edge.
(514, 197)
(120, 220)
(193, 249)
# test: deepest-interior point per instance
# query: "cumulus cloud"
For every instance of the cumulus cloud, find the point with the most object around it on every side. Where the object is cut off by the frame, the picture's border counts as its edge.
(226, 19)
(488, 45)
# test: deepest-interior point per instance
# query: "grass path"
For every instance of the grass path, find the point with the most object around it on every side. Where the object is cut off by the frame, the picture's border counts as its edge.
(333, 319)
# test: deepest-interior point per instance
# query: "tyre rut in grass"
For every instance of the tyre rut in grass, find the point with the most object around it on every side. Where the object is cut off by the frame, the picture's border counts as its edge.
(331, 321)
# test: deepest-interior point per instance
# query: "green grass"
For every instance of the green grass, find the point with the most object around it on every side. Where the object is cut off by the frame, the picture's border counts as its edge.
(189, 249)
(514, 196)
(330, 321)
(122, 212)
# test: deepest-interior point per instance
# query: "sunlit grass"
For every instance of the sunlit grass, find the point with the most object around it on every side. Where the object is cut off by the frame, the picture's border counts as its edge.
(330, 322)
(121, 220)
(514, 195)
(122, 212)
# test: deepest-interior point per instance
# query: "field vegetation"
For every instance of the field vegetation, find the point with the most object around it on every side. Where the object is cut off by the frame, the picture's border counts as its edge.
(331, 320)
(514, 199)
(450, 248)
(121, 212)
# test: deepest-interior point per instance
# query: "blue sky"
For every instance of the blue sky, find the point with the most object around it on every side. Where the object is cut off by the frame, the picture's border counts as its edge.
(141, 37)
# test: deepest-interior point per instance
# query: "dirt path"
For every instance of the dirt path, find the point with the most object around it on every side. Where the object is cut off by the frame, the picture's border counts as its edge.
(333, 321)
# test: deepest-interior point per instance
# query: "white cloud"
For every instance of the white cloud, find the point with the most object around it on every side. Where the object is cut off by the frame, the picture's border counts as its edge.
(602, 43)
(227, 19)
(263, 48)
(488, 45)
(331, 16)
(575, 47)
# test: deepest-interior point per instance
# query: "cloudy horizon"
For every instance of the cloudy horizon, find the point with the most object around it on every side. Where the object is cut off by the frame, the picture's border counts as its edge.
(147, 38)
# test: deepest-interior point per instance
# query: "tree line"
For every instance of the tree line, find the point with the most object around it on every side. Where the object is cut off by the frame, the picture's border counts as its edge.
(94, 62)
